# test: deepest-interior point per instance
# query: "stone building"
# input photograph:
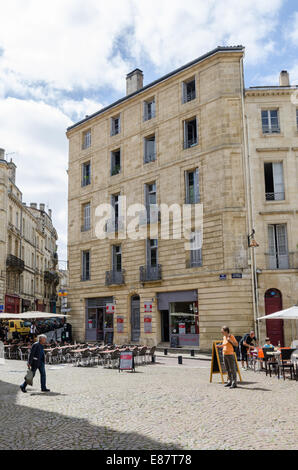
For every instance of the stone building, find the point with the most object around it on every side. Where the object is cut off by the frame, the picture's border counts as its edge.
(178, 141)
(28, 250)
(272, 129)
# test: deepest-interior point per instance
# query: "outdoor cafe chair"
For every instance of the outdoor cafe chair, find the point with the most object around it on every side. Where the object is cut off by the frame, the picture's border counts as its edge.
(84, 359)
(269, 361)
(142, 354)
(285, 363)
(24, 353)
(150, 353)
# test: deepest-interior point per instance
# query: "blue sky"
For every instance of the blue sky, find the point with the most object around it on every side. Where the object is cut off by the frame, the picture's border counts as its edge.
(63, 59)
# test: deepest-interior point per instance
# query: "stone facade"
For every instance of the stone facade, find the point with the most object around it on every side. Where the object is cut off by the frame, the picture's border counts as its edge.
(273, 155)
(28, 250)
(218, 156)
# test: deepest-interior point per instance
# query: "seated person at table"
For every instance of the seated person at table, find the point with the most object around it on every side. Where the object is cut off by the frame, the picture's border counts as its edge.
(246, 345)
(268, 344)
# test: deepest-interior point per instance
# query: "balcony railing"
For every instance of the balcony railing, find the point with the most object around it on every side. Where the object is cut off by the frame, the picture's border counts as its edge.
(150, 157)
(150, 273)
(114, 277)
(274, 129)
(287, 261)
(15, 263)
(190, 143)
(51, 277)
(275, 196)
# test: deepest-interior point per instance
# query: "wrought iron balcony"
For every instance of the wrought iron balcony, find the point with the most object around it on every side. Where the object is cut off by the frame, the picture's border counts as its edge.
(277, 261)
(51, 277)
(15, 263)
(114, 277)
(150, 273)
(275, 196)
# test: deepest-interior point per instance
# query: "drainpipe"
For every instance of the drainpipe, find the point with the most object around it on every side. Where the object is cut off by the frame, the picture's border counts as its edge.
(250, 215)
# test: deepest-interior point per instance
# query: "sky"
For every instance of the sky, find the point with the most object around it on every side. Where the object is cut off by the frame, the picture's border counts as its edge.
(63, 59)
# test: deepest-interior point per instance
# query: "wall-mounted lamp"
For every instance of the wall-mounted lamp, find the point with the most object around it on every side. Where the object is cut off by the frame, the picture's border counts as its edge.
(251, 240)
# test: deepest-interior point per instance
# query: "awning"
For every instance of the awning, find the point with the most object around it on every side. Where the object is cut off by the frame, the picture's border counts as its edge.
(29, 315)
(287, 314)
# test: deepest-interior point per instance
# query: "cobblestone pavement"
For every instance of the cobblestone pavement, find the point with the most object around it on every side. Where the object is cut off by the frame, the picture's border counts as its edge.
(161, 406)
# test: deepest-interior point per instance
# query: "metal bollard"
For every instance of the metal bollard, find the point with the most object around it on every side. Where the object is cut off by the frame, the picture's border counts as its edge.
(179, 359)
(153, 359)
(165, 352)
(192, 353)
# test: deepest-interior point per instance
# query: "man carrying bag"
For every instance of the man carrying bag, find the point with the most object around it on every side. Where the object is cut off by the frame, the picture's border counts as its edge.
(36, 361)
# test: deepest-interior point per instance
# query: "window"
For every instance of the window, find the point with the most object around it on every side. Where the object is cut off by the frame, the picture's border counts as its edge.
(270, 122)
(115, 162)
(190, 133)
(274, 182)
(86, 174)
(196, 250)
(86, 217)
(189, 91)
(278, 247)
(297, 118)
(150, 149)
(192, 190)
(115, 125)
(152, 253)
(117, 258)
(86, 139)
(149, 110)
(85, 265)
(151, 202)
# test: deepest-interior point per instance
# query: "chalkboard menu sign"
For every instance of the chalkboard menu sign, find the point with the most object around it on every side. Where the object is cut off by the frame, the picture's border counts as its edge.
(217, 362)
(126, 361)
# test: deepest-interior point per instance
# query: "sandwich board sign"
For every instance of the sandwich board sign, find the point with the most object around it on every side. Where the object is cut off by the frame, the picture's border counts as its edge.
(217, 362)
(126, 361)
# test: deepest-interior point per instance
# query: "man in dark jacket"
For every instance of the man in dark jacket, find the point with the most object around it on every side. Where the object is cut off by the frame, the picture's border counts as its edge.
(37, 361)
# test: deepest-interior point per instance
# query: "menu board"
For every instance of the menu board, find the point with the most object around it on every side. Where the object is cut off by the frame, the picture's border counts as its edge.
(126, 361)
(148, 324)
(217, 362)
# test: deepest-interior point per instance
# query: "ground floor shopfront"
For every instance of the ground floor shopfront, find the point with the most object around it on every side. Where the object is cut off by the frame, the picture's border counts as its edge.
(189, 317)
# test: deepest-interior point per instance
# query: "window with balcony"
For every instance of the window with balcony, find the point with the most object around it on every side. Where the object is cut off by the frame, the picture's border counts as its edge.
(195, 259)
(270, 121)
(190, 133)
(86, 174)
(149, 110)
(278, 256)
(115, 125)
(86, 139)
(117, 258)
(189, 91)
(149, 149)
(115, 162)
(274, 182)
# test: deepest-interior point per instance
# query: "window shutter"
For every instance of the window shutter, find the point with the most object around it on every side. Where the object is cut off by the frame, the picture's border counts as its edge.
(272, 247)
(282, 246)
(197, 186)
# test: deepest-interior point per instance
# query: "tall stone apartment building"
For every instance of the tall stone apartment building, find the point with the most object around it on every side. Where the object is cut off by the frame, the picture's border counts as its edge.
(180, 140)
(272, 129)
(28, 249)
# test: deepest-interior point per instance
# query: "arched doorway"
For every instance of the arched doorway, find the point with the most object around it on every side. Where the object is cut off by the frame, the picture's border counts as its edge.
(274, 328)
(135, 318)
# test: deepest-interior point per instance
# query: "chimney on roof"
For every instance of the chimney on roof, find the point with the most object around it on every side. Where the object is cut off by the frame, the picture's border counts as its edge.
(12, 171)
(2, 154)
(134, 81)
(50, 213)
(33, 205)
(42, 207)
(284, 78)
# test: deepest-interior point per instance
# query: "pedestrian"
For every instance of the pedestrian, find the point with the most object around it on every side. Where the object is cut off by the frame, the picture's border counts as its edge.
(246, 345)
(32, 330)
(228, 344)
(37, 361)
(268, 344)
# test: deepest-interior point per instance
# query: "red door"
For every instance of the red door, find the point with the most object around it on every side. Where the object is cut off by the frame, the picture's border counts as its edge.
(274, 328)
(12, 304)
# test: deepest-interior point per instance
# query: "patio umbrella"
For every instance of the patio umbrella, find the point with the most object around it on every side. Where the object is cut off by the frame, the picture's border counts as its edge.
(287, 314)
(29, 315)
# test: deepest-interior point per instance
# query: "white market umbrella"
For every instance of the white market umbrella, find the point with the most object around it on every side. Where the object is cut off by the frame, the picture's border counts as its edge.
(287, 314)
(29, 315)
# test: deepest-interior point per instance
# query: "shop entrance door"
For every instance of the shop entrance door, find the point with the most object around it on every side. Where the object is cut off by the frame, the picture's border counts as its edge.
(135, 318)
(165, 326)
(94, 327)
(274, 328)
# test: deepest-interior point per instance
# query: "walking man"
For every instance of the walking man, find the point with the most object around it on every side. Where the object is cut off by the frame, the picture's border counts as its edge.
(246, 345)
(37, 361)
(228, 344)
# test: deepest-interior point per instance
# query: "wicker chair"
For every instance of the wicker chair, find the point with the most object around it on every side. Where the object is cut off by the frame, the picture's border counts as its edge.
(150, 353)
(142, 355)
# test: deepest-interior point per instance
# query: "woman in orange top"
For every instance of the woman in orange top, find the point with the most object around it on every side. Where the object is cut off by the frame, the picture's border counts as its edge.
(228, 344)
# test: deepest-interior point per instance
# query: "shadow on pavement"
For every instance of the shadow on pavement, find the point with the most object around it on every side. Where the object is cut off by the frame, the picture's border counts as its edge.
(28, 428)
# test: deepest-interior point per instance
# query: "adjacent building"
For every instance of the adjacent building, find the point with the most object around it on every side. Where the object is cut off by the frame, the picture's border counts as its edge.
(272, 129)
(28, 249)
